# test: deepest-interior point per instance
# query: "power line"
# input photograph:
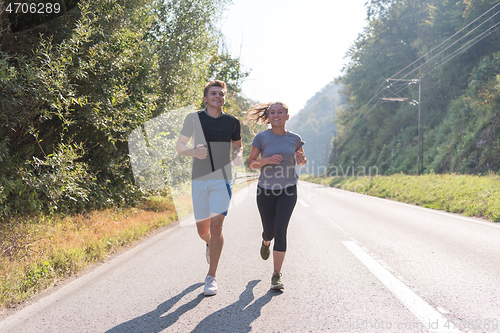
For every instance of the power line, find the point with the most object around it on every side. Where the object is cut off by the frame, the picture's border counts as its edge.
(447, 58)
(379, 102)
(371, 99)
(463, 49)
(422, 57)
(400, 85)
(358, 120)
(425, 63)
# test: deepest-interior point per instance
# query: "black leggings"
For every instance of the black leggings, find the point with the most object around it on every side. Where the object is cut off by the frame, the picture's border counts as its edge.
(276, 207)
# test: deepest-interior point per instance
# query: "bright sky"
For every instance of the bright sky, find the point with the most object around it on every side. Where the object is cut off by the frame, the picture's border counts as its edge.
(293, 48)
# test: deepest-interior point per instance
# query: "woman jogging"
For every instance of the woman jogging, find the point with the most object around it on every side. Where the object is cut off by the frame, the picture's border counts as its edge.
(277, 186)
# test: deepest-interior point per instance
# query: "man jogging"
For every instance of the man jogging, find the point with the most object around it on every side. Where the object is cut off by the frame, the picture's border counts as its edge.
(216, 141)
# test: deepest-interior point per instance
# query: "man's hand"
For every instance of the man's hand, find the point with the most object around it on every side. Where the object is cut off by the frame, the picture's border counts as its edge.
(201, 152)
(237, 159)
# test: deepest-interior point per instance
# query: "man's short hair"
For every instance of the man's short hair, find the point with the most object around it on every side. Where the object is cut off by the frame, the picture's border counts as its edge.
(214, 83)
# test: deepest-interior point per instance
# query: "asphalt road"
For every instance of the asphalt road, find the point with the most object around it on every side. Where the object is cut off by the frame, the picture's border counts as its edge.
(354, 264)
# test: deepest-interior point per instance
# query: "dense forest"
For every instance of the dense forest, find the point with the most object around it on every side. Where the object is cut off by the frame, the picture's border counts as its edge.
(75, 82)
(453, 49)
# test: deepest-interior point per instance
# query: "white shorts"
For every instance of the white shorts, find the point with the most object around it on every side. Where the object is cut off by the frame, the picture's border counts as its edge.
(211, 197)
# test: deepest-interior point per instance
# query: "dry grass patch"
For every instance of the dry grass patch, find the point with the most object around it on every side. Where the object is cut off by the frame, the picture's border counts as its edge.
(36, 252)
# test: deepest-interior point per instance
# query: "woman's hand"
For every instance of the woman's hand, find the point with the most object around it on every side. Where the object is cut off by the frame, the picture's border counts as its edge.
(254, 163)
(275, 159)
(300, 158)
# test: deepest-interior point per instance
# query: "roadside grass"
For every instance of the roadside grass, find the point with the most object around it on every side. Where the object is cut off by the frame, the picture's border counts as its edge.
(38, 251)
(469, 195)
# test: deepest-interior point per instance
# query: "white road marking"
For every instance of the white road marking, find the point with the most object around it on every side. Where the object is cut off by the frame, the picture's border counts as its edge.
(430, 318)
(303, 203)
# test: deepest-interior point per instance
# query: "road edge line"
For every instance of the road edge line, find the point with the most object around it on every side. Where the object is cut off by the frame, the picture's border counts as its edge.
(420, 308)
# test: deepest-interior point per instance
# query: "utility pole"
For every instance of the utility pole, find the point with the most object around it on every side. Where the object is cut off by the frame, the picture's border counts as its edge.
(398, 98)
(420, 134)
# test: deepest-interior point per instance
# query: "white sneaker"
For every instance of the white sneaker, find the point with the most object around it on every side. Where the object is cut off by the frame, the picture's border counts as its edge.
(210, 286)
(207, 255)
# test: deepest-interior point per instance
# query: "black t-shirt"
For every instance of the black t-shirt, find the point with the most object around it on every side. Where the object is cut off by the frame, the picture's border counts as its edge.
(216, 134)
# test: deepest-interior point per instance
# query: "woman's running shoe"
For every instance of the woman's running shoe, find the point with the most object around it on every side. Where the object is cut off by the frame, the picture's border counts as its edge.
(264, 251)
(276, 283)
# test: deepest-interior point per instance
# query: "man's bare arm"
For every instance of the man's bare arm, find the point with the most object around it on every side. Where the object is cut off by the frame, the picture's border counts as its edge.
(182, 148)
(237, 152)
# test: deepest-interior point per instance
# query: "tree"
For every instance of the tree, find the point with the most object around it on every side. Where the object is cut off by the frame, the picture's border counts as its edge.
(71, 96)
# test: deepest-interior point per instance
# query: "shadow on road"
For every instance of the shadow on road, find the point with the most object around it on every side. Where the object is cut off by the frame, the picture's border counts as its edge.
(237, 317)
(234, 318)
(153, 321)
